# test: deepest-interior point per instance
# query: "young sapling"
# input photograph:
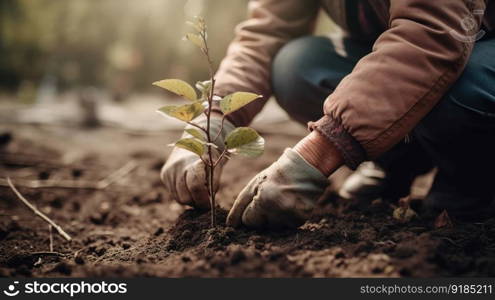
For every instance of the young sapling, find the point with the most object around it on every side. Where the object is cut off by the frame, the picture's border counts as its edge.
(200, 139)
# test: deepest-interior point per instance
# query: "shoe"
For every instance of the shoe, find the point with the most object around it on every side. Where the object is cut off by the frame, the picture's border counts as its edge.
(367, 183)
(390, 177)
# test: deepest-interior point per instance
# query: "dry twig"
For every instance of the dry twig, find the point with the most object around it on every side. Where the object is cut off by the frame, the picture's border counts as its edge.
(114, 177)
(47, 254)
(51, 237)
(37, 212)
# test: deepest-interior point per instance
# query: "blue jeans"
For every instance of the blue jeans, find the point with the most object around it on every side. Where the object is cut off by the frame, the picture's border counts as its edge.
(457, 136)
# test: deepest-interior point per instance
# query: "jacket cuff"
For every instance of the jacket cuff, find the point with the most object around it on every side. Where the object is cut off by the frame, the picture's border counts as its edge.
(333, 130)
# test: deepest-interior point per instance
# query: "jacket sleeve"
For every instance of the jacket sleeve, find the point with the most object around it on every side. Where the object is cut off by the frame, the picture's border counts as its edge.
(411, 67)
(247, 66)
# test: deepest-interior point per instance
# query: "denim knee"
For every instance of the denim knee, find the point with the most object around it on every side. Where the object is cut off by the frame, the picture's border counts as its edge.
(304, 73)
(290, 80)
(475, 89)
(467, 111)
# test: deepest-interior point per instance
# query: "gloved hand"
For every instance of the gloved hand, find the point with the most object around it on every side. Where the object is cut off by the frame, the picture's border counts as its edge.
(184, 173)
(281, 196)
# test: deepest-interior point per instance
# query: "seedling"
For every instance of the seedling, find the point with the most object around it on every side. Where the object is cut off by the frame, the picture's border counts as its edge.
(200, 140)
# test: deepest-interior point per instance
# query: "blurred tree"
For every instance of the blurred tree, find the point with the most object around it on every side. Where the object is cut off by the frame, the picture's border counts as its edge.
(9, 11)
(122, 45)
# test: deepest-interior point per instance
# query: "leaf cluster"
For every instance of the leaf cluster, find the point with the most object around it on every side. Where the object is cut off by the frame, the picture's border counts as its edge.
(243, 140)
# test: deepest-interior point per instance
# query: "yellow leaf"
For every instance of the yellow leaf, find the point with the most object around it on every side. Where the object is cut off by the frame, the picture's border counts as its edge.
(192, 145)
(178, 87)
(196, 40)
(236, 101)
(195, 26)
(185, 113)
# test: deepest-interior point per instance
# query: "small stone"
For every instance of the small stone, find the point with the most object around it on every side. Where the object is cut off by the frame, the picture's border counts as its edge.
(79, 260)
(159, 231)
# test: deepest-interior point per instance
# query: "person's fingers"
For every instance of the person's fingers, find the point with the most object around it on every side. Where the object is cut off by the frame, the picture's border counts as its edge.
(196, 186)
(269, 209)
(234, 217)
(181, 193)
(183, 176)
(254, 215)
(265, 211)
(168, 183)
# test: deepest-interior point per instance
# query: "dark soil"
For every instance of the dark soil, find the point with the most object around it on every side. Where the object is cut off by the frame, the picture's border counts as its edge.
(130, 229)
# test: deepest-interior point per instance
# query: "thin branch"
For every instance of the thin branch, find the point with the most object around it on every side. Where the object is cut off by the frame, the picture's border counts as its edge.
(51, 237)
(220, 157)
(76, 254)
(221, 129)
(76, 184)
(117, 175)
(204, 161)
(37, 212)
(197, 126)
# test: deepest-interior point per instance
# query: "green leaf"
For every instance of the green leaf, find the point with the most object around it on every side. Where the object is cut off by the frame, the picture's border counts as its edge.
(191, 144)
(196, 40)
(185, 113)
(196, 133)
(245, 141)
(240, 136)
(178, 87)
(236, 101)
(253, 149)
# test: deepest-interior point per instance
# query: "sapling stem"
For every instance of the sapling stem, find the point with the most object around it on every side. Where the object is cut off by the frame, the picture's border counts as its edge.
(220, 157)
(211, 165)
(197, 126)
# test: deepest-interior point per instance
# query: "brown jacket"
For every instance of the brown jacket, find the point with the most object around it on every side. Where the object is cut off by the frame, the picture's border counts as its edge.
(414, 61)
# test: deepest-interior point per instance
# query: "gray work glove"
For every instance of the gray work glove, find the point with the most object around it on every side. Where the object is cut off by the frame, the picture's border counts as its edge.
(281, 196)
(184, 173)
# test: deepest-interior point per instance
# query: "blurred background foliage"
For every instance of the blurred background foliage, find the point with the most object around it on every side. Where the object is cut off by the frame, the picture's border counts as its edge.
(118, 45)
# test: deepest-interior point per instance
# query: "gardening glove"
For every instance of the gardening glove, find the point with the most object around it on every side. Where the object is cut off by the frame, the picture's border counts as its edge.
(184, 174)
(281, 196)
